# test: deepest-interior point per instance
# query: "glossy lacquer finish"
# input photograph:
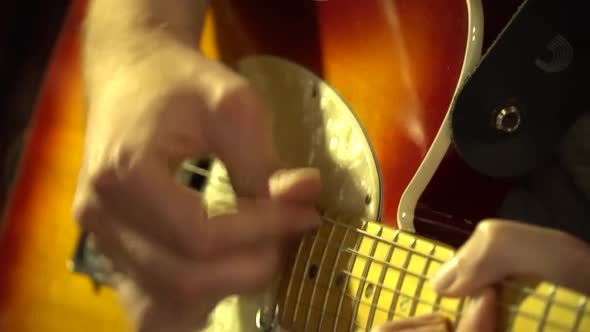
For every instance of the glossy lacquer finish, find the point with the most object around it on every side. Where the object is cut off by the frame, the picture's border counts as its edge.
(395, 62)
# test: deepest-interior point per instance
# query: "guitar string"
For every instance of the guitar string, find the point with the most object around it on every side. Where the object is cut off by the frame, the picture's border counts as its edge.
(513, 286)
(313, 292)
(511, 308)
(513, 312)
(354, 253)
(506, 283)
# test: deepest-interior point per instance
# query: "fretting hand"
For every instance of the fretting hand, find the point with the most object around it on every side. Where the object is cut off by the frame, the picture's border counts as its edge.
(497, 250)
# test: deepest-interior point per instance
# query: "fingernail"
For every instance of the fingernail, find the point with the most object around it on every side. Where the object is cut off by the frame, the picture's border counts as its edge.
(444, 277)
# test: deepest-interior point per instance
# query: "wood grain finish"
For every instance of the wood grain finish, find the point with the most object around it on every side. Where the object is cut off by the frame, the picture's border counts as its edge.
(395, 62)
(37, 291)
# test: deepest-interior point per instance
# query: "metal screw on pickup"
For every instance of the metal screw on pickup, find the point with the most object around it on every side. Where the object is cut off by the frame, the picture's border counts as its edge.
(508, 119)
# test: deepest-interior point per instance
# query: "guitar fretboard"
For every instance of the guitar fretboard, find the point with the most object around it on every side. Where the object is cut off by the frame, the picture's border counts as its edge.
(351, 276)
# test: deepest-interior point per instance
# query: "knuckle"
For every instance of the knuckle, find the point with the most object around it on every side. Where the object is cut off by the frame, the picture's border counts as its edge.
(242, 105)
(115, 173)
(491, 228)
(484, 249)
(104, 180)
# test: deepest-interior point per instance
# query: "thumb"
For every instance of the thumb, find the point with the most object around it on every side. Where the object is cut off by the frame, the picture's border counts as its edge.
(501, 249)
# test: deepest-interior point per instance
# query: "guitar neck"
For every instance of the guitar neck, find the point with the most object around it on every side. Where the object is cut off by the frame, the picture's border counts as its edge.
(356, 275)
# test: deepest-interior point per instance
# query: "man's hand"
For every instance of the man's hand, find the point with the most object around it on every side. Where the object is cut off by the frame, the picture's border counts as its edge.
(497, 250)
(173, 261)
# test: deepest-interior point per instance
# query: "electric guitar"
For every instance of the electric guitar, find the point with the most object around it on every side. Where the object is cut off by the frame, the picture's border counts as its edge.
(362, 90)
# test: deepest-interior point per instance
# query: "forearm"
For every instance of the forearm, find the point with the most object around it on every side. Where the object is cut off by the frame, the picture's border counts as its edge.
(123, 18)
(118, 33)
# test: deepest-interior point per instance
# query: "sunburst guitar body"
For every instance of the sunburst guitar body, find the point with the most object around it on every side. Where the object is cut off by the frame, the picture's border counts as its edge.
(361, 90)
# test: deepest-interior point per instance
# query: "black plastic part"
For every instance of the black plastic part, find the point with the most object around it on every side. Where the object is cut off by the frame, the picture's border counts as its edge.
(538, 64)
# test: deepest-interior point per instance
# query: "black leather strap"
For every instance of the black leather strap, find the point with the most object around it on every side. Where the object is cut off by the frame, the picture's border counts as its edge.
(539, 65)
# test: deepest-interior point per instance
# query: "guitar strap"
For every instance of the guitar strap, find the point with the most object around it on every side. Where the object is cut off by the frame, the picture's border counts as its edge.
(523, 114)
(535, 68)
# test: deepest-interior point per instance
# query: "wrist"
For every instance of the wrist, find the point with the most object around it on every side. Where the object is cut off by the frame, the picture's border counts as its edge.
(121, 32)
(179, 19)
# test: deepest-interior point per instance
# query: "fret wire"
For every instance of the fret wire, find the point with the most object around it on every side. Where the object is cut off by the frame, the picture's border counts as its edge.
(546, 309)
(506, 283)
(338, 315)
(436, 304)
(384, 270)
(511, 308)
(324, 253)
(400, 281)
(421, 282)
(535, 293)
(460, 308)
(387, 264)
(382, 240)
(350, 262)
(333, 272)
(398, 293)
(361, 286)
(305, 272)
(514, 286)
(580, 314)
(205, 172)
(335, 316)
(419, 276)
(520, 288)
(289, 288)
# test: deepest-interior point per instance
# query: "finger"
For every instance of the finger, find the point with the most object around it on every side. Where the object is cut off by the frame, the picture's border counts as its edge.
(144, 198)
(426, 323)
(241, 136)
(183, 281)
(500, 249)
(260, 220)
(256, 222)
(296, 185)
(481, 314)
(159, 270)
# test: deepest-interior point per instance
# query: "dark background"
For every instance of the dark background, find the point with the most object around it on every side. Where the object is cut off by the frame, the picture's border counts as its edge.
(28, 30)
